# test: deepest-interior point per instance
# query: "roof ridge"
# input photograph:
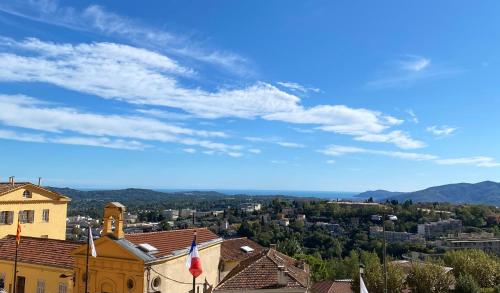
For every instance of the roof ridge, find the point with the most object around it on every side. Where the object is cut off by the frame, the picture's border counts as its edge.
(241, 267)
(42, 239)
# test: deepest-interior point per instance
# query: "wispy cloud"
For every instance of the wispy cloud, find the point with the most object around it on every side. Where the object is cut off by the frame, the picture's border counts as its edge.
(397, 137)
(415, 63)
(255, 151)
(146, 78)
(413, 116)
(275, 140)
(296, 87)
(480, 161)
(408, 70)
(65, 121)
(441, 130)
(96, 19)
(189, 150)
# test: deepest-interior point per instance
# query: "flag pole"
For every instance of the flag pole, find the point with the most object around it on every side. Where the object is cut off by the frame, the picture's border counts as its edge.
(18, 238)
(194, 278)
(87, 261)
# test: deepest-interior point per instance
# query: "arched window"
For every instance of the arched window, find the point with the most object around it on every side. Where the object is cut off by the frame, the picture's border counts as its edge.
(27, 194)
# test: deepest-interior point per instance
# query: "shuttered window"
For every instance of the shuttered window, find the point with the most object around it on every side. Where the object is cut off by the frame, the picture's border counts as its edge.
(27, 216)
(6, 217)
(40, 286)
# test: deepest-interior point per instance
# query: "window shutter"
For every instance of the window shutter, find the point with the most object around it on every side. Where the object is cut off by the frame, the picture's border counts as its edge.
(31, 216)
(10, 217)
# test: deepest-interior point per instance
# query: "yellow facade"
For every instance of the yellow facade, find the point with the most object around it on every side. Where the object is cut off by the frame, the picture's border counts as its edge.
(52, 226)
(115, 269)
(35, 275)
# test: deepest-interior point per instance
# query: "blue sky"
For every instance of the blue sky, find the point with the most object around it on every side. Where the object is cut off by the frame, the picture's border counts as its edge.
(290, 95)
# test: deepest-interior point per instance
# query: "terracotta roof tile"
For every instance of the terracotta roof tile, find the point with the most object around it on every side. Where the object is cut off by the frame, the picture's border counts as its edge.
(231, 249)
(6, 186)
(168, 241)
(332, 287)
(261, 272)
(42, 251)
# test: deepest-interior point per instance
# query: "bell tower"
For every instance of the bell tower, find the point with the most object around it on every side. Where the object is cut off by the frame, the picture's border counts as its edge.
(114, 211)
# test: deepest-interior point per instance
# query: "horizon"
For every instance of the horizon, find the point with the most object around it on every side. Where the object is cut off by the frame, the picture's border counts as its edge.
(224, 95)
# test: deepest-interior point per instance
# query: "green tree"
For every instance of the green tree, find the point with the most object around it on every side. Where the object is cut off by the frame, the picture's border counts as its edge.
(429, 278)
(395, 279)
(485, 269)
(466, 284)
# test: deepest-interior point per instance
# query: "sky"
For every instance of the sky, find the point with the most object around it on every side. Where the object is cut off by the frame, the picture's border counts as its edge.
(284, 95)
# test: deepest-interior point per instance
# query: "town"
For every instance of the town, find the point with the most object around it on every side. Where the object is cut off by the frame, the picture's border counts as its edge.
(257, 244)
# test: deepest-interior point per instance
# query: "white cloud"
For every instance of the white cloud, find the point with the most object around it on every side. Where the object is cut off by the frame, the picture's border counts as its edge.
(235, 154)
(140, 76)
(189, 150)
(441, 130)
(397, 137)
(413, 116)
(479, 161)
(279, 162)
(74, 140)
(61, 120)
(96, 19)
(298, 87)
(331, 162)
(415, 63)
(255, 151)
(290, 144)
(275, 140)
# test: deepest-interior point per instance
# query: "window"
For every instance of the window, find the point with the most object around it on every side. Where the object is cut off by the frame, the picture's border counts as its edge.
(156, 282)
(6, 217)
(26, 216)
(27, 194)
(40, 286)
(45, 215)
(130, 284)
(63, 288)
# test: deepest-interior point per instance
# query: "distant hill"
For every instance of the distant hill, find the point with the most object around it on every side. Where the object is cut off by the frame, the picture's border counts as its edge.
(487, 192)
(379, 194)
(129, 194)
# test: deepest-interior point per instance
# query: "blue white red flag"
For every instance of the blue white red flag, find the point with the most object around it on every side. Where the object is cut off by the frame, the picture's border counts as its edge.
(193, 262)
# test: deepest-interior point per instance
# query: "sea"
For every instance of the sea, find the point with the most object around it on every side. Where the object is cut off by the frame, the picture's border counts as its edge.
(296, 193)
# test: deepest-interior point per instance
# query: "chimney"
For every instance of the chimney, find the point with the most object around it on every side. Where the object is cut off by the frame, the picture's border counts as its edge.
(11, 180)
(282, 275)
(39, 181)
(272, 246)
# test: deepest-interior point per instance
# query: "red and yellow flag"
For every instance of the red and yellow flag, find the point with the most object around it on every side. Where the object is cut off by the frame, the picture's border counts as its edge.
(18, 234)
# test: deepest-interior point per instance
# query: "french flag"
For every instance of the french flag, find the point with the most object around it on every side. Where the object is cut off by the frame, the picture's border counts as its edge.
(193, 262)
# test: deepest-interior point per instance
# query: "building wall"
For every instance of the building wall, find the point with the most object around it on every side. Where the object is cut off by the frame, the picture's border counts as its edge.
(55, 228)
(33, 273)
(176, 269)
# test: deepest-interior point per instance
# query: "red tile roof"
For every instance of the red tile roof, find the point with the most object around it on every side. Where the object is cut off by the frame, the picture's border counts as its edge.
(261, 272)
(332, 287)
(168, 241)
(231, 249)
(42, 251)
(6, 186)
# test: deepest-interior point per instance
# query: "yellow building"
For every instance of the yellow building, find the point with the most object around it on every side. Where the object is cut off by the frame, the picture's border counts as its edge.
(145, 262)
(44, 265)
(41, 212)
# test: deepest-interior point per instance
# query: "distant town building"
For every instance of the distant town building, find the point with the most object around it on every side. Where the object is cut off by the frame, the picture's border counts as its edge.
(250, 207)
(185, 213)
(131, 218)
(376, 218)
(393, 236)
(434, 230)
(170, 215)
(483, 241)
(284, 222)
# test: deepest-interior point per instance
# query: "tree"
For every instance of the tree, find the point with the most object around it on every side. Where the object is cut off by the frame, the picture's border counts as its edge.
(429, 278)
(485, 269)
(466, 284)
(395, 279)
